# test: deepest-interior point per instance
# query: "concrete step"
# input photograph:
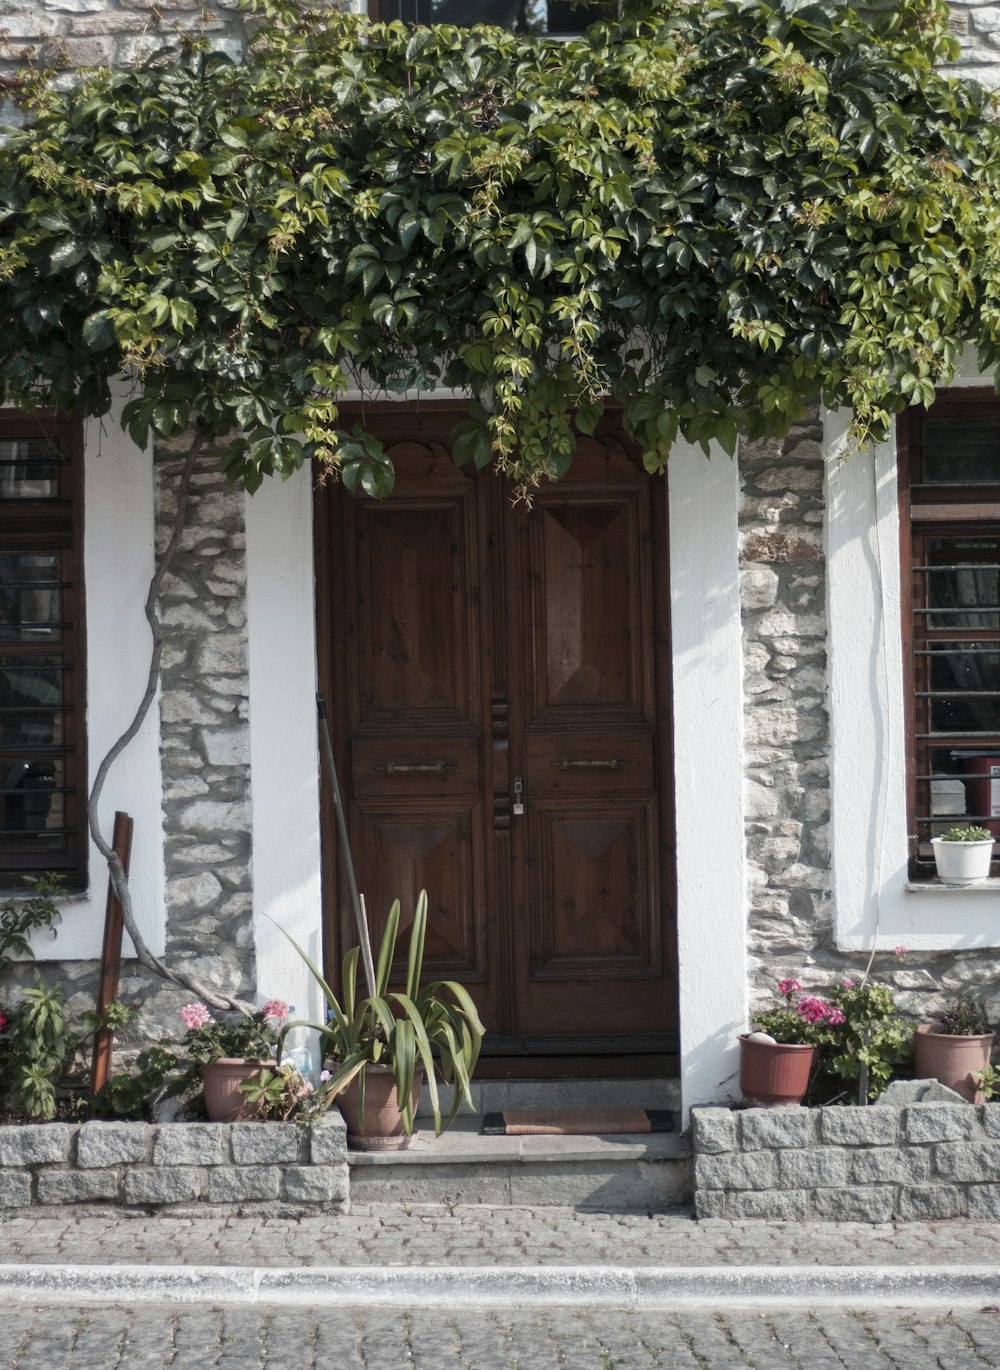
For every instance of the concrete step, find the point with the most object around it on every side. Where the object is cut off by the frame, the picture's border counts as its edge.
(627, 1172)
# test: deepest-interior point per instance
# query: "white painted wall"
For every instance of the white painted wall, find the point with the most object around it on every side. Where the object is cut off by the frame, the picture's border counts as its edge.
(284, 758)
(708, 770)
(118, 565)
(873, 899)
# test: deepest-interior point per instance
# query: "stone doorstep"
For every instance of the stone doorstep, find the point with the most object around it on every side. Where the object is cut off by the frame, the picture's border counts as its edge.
(622, 1173)
(493, 1096)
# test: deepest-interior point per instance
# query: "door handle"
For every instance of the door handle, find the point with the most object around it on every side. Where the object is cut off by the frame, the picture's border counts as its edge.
(415, 767)
(518, 806)
(611, 763)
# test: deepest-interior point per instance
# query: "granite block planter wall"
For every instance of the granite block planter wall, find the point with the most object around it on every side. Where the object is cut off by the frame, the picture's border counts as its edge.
(875, 1164)
(259, 1167)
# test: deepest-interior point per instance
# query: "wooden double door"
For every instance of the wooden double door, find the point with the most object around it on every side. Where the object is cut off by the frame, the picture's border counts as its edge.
(497, 680)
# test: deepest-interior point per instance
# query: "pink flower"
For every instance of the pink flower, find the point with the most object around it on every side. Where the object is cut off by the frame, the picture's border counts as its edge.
(3, 1021)
(834, 1016)
(276, 1009)
(848, 984)
(195, 1016)
(788, 986)
(324, 1075)
(899, 952)
(815, 1010)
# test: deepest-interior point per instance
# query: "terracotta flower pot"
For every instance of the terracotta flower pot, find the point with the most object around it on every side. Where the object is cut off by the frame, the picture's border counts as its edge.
(951, 1060)
(383, 1120)
(773, 1074)
(224, 1102)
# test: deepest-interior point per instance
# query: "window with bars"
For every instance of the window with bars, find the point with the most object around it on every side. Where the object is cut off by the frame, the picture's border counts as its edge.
(42, 752)
(950, 517)
(540, 17)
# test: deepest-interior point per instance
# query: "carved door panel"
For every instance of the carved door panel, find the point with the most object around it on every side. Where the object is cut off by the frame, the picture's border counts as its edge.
(463, 644)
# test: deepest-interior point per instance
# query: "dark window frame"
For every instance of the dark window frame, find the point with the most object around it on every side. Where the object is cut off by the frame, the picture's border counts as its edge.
(927, 512)
(53, 526)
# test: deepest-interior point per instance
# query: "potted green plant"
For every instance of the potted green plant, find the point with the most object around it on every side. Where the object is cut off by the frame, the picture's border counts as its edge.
(962, 855)
(956, 1049)
(228, 1055)
(379, 1046)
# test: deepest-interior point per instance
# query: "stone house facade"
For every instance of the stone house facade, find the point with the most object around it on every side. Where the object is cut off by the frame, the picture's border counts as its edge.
(785, 680)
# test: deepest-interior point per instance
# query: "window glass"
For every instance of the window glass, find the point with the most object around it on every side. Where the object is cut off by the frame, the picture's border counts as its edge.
(29, 469)
(963, 451)
(519, 16)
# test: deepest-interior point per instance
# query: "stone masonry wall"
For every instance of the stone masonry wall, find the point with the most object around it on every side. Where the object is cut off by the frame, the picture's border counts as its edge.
(204, 736)
(878, 1164)
(280, 1168)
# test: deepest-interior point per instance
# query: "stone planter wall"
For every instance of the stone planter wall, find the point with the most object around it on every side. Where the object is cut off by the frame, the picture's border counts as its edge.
(876, 1164)
(257, 1167)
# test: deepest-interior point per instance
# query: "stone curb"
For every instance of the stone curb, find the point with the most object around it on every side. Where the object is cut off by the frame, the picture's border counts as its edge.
(504, 1286)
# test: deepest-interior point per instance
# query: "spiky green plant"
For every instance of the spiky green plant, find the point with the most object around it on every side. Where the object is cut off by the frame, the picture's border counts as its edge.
(436, 1025)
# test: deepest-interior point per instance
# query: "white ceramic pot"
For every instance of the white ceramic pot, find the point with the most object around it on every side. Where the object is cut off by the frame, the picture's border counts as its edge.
(962, 863)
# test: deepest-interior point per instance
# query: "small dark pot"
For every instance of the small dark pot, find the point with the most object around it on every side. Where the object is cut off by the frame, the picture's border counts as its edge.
(773, 1074)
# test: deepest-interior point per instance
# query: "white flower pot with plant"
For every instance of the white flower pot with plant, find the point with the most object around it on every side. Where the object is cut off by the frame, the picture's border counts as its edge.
(962, 855)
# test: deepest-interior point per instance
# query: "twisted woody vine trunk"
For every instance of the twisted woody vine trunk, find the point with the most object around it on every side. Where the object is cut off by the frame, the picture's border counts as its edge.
(119, 880)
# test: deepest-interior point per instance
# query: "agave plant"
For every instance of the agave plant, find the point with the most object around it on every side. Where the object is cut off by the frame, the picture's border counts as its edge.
(436, 1024)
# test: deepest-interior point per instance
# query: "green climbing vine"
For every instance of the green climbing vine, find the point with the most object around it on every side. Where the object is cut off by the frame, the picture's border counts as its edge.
(710, 214)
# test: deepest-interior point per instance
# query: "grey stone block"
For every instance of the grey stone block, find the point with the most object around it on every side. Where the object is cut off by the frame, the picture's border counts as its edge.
(328, 1140)
(902, 1092)
(713, 1130)
(190, 1144)
(814, 1169)
(938, 1122)
(922, 1202)
(891, 1165)
(871, 1204)
(164, 1186)
(76, 1186)
(235, 1184)
(316, 1184)
(775, 1128)
(968, 1161)
(267, 1143)
(710, 1203)
(30, 1144)
(990, 1117)
(983, 1201)
(104, 1144)
(772, 1205)
(859, 1126)
(753, 1171)
(15, 1189)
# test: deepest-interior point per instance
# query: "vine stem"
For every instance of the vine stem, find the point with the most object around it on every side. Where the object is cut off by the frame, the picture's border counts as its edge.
(116, 872)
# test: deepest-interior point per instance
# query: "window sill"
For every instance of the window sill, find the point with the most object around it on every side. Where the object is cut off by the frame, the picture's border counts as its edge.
(934, 886)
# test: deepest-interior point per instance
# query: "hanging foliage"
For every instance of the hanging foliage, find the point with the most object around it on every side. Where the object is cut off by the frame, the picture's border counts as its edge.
(711, 214)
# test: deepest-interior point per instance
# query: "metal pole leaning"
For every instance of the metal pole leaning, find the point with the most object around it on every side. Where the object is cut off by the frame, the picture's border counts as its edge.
(352, 884)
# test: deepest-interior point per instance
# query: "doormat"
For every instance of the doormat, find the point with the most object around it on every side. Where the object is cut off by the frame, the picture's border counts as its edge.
(576, 1122)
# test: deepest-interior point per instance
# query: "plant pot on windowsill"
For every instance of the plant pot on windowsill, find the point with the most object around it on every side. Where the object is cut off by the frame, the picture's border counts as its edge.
(224, 1100)
(773, 1074)
(962, 855)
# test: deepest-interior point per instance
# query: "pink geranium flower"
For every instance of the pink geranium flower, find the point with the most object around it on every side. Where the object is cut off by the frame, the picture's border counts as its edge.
(788, 986)
(195, 1016)
(848, 984)
(815, 1010)
(3, 1021)
(900, 952)
(276, 1009)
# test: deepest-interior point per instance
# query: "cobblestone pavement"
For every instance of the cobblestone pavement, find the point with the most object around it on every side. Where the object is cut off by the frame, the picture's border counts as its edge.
(435, 1235)
(566, 1339)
